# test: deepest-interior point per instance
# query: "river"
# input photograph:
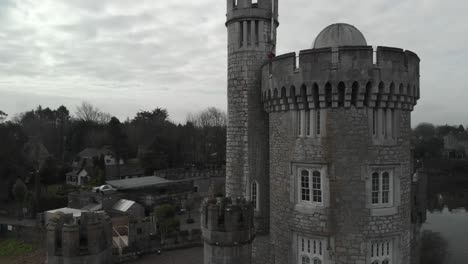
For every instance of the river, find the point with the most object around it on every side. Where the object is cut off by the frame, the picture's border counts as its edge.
(448, 216)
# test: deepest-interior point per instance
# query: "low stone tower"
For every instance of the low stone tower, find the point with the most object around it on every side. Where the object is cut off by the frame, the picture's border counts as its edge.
(228, 231)
(82, 240)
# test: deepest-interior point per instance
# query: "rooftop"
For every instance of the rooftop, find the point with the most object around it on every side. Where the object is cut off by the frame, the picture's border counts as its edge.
(123, 205)
(338, 35)
(138, 183)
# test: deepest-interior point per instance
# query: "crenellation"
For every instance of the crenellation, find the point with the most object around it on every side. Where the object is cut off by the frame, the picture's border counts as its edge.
(84, 239)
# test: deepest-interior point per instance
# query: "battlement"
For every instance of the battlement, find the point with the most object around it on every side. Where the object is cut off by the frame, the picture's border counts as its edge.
(87, 235)
(342, 77)
(226, 222)
(250, 9)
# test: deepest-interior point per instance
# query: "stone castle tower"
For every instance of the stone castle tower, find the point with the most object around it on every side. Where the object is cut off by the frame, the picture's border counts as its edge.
(319, 143)
(85, 239)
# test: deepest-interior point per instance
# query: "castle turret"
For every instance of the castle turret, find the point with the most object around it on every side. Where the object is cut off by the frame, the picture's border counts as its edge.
(251, 40)
(228, 231)
(340, 124)
(84, 239)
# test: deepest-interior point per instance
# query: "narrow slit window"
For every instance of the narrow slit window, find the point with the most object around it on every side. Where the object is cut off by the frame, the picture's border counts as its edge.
(305, 186)
(299, 123)
(249, 32)
(317, 125)
(241, 34)
(384, 122)
(375, 187)
(254, 194)
(317, 187)
(307, 124)
(257, 32)
(385, 188)
(374, 122)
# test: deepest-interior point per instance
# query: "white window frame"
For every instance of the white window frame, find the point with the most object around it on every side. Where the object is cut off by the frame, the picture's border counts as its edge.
(254, 195)
(380, 188)
(311, 174)
(395, 173)
(314, 249)
(309, 206)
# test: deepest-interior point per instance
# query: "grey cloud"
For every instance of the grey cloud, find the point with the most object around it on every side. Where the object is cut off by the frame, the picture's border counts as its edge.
(172, 54)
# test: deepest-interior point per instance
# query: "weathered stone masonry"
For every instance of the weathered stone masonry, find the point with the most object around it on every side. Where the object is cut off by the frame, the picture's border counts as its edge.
(362, 101)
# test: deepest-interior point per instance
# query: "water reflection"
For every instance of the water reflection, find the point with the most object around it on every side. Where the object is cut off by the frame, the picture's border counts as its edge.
(445, 235)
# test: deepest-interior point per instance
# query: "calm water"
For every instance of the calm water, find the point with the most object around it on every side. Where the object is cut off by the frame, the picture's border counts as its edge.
(448, 216)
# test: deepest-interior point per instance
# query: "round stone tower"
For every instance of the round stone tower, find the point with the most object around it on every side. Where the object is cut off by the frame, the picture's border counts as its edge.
(251, 39)
(85, 239)
(339, 150)
(228, 231)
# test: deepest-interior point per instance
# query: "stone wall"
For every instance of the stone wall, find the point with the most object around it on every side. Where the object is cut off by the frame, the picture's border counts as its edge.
(227, 231)
(347, 151)
(86, 239)
(249, 45)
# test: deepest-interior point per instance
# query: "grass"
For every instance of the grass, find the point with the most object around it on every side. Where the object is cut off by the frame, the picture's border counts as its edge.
(13, 247)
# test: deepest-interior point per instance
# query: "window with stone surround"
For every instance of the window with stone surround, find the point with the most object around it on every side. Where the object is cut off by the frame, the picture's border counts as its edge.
(383, 189)
(381, 251)
(310, 123)
(312, 187)
(310, 251)
(254, 195)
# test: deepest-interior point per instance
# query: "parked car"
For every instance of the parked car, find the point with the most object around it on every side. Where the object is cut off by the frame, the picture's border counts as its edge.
(103, 189)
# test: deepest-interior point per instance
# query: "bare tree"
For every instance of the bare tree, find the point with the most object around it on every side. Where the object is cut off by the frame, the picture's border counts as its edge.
(91, 113)
(210, 117)
(3, 116)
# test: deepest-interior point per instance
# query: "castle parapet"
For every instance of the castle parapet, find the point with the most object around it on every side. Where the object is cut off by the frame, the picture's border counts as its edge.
(227, 230)
(342, 77)
(226, 222)
(83, 239)
(241, 9)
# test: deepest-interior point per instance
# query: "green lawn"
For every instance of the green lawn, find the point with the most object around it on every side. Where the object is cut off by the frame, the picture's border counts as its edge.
(13, 247)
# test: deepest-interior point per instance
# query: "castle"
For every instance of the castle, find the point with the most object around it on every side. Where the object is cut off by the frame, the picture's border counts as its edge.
(319, 143)
(83, 239)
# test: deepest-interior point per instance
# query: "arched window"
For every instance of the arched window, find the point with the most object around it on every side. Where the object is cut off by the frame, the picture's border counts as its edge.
(254, 194)
(317, 261)
(305, 260)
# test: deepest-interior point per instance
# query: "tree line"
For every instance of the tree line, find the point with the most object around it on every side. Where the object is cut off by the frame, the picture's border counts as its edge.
(46, 140)
(428, 139)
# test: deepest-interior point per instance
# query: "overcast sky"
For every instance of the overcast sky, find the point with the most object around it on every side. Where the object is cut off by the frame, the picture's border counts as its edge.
(124, 56)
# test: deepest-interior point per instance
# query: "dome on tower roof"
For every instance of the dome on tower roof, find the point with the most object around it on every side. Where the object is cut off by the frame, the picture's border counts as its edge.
(340, 34)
